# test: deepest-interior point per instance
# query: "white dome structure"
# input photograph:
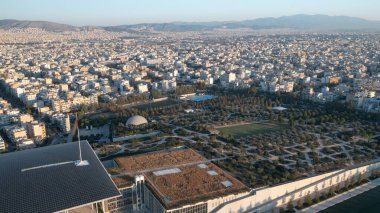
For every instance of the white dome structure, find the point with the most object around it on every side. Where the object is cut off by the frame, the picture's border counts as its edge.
(136, 120)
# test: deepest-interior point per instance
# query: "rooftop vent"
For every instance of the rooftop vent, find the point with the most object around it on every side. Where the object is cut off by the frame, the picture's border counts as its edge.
(212, 172)
(166, 172)
(202, 166)
(227, 183)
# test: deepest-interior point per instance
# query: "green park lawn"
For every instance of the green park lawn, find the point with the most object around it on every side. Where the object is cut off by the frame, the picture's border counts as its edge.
(249, 129)
(158, 104)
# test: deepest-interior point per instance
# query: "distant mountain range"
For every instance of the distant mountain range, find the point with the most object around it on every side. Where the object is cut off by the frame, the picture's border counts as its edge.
(301, 22)
(46, 25)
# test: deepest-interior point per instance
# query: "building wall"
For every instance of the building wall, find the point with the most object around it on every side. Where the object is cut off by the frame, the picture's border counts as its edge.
(266, 199)
(207, 205)
(132, 199)
(151, 203)
(66, 124)
(212, 204)
(2, 145)
(25, 118)
(18, 133)
(260, 200)
(36, 130)
(123, 204)
(199, 208)
(63, 122)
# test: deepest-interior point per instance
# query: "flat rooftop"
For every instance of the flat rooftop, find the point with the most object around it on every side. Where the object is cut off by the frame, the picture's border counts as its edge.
(28, 185)
(123, 181)
(150, 161)
(193, 184)
(182, 177)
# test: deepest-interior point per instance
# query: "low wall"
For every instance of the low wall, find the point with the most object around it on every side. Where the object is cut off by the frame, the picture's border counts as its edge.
(266, 199)
(129, 137)
(160, 99)
(187, 95)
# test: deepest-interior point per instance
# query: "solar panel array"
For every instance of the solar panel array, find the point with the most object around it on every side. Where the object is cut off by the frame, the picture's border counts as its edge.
(54, 188)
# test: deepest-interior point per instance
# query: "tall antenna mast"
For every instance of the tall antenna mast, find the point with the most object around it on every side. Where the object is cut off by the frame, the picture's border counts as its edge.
(79, 162)
(80, 149)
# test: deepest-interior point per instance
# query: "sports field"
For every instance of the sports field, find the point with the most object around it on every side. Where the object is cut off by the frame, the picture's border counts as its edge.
(158, 104)
(367, 202)
(244, 130)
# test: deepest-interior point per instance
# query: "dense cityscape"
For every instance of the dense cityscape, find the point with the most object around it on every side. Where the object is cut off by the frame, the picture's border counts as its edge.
(208, 117)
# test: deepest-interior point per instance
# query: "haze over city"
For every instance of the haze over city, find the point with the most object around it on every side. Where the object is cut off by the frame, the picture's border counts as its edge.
(212, 106)
(117, 12)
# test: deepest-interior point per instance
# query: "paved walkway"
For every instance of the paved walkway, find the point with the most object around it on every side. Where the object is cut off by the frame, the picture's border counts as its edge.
(342, 197)
(136, 136)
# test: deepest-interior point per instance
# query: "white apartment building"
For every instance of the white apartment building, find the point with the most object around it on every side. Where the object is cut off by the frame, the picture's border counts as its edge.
(63, 121)
(2, 145)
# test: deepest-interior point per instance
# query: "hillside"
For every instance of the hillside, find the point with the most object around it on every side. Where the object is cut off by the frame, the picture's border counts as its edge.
(302, 22)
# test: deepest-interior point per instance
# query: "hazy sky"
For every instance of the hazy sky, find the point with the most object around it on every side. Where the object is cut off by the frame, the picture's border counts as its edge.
(114, 12)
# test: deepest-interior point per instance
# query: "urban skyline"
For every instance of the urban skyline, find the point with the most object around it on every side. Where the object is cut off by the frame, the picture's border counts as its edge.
(216, 110)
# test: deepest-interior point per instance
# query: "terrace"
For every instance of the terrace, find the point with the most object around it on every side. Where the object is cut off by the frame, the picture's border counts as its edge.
(180, 177)
(193, 184)
(146, 162)
(123, 181)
